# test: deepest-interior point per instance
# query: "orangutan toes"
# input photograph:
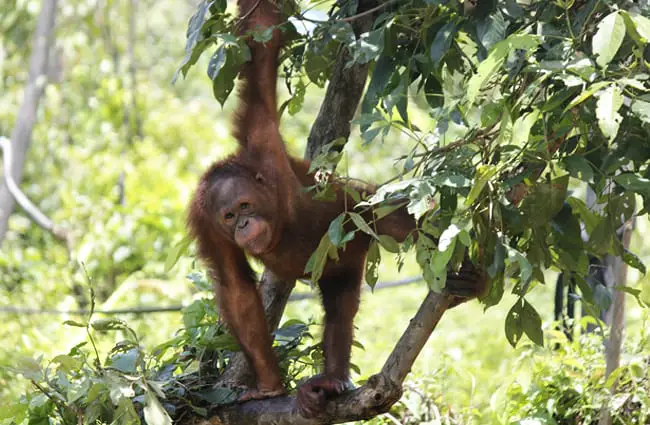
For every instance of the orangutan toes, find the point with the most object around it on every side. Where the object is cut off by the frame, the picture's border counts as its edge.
(312, 395)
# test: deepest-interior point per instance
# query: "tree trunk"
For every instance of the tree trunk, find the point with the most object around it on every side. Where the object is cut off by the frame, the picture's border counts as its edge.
(615, 317)
(21, 135)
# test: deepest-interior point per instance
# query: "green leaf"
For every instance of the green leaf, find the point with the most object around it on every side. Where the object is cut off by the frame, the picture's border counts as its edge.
(522, 126)
(532, 323)
(373, 258)
(398, 98)
(495, 59)
(381, 75)
(491, 30)
(385, 210)
(641, 109)
(642, 26)
(633, 260)
(608, 38)
(586, 94)
(587, 216)
(224, 81)
(109, 325)
(497, 260)
(525, 268)
(609, 102)
(126, 362)
(389, 243)
(450, 180)
(544, 200)
(217, 61)
(514, 325)
(433, 92)
(368, 47)
(316, 67)
(154, 413)
(298, 98)
(68, 363)
(483, 174)
(442, 42)
(176, 252)
(447, 237)
(361, 224)
(316, 263)
(579, 167)
(631, 181)
(75, 324)
(335, 230)
(342, 32)
(193, 48)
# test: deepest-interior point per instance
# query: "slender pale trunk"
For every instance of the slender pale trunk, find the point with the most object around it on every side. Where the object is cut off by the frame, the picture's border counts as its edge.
(21, 135)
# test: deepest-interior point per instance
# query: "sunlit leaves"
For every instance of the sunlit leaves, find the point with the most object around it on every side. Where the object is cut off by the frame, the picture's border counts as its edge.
(368, 47)
(608, 39)
(483, 174)
(154, 412)
(634, 183)
(609, 102)
(522, 126)
(495, 59)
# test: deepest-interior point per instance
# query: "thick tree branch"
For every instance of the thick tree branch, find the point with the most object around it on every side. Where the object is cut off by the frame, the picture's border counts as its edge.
(343, 93)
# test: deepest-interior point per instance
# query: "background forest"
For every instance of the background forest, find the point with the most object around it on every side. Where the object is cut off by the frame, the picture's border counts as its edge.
(115, 153)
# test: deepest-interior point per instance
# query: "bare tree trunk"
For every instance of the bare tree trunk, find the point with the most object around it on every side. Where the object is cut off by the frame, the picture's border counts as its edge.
(21, 136)
(615, 317)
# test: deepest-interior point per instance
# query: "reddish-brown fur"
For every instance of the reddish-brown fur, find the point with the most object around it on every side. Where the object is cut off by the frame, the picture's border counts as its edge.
(252, 203)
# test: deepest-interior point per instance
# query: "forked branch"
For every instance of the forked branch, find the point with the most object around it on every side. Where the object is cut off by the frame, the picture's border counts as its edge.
(379, 393)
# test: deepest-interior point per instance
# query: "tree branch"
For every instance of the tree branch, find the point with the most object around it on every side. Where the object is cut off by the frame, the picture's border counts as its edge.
(379, 393)
(343, 92)
(28, 206)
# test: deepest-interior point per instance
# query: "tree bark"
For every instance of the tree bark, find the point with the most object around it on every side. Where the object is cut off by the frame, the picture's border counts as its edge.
(21, 135)
(343, 93)
(615, 317)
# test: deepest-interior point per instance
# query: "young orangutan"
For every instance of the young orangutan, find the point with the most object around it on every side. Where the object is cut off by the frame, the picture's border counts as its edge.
(251, 203)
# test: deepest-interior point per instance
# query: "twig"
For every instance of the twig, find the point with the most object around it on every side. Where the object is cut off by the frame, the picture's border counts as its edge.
(367, 12)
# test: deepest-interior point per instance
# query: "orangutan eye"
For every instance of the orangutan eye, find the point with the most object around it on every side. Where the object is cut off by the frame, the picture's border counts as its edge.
(229, 216)
(244, 205)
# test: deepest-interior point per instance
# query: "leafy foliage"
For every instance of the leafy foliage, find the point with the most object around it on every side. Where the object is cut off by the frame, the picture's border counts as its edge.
(129, 384)
(515, 91)
(576, 392)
